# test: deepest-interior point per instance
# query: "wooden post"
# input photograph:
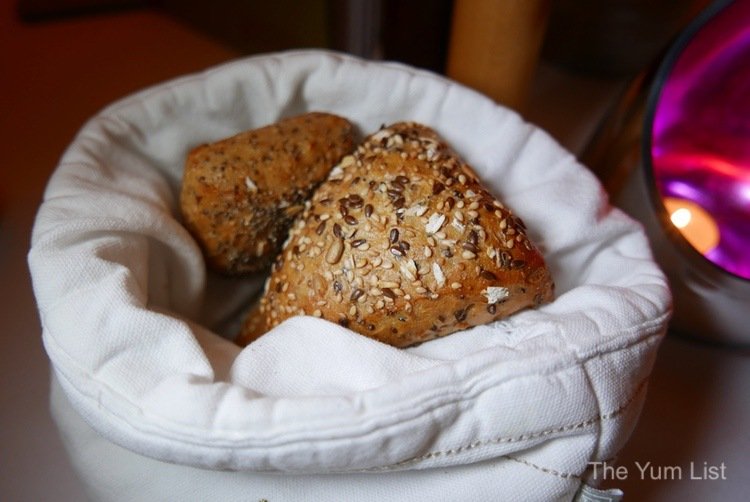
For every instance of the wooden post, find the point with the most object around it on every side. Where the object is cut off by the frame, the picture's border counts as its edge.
(494, 46)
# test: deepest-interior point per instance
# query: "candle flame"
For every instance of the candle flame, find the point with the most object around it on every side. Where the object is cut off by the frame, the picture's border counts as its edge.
(681, 217)
(695, 223)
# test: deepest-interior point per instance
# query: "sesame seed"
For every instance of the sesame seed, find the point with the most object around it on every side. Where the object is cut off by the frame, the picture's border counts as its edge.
(427, 252)
(318, 313)
(353, 311)
(468, 255)
(347, 161)
(389, 284)
(455, 285)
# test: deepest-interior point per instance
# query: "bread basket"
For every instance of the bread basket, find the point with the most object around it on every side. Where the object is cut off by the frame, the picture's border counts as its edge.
(136, 328)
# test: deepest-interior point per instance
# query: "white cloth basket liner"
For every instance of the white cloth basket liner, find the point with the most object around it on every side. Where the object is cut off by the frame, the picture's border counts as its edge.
(133, 323)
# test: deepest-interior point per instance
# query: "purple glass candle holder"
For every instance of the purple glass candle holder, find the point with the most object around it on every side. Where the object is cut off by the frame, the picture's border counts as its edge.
(699, 147)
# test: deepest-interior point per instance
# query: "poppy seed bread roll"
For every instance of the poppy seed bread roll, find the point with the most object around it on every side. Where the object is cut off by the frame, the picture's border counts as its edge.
(403, 244)
(240, 195)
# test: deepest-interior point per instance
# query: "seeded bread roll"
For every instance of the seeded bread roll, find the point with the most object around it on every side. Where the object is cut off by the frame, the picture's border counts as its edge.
(240, 195)
(403, 244)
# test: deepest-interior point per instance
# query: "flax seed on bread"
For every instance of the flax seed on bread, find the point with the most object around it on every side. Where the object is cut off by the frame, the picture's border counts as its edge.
(403, 244)
(239, 195)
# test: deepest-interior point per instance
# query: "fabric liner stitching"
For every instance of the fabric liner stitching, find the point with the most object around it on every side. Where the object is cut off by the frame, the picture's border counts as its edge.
(513, 439)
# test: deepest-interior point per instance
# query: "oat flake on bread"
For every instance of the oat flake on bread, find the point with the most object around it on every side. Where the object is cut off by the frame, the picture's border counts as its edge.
(403, 244)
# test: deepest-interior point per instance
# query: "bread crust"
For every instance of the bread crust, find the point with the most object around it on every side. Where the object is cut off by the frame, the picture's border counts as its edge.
(403, 244)
(240, 195)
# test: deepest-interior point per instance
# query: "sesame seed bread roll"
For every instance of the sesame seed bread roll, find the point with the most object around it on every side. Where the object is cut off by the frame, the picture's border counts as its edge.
(240, 195)
(403, 244)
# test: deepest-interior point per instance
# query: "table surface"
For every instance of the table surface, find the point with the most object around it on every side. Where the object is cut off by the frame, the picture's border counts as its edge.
(698, 405)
